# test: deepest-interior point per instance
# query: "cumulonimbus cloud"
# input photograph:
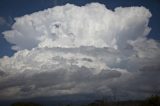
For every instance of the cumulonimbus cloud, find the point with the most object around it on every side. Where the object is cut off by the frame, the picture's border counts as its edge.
(79, 50)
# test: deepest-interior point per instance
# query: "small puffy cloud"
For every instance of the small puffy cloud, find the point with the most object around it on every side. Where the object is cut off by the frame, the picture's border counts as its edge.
(71, 50)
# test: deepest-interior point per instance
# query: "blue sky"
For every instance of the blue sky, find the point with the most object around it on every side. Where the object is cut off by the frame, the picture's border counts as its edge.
(9, 9)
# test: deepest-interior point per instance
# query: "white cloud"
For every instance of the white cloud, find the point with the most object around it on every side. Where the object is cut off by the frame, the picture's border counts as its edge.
(63, 27)
(77, 50)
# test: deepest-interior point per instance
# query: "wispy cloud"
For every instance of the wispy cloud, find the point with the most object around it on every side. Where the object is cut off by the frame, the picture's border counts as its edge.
(2, 21)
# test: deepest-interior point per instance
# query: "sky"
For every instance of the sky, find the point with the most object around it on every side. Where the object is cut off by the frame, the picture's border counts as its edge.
(77, 48)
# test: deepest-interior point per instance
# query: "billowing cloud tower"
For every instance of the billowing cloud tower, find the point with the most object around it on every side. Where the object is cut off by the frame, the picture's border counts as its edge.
(68, 50)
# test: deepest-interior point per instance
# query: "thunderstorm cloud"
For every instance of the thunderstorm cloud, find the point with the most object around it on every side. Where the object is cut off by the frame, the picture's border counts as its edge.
(71, 50)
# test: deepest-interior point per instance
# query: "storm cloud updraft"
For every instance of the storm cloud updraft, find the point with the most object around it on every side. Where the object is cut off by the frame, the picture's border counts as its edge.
(81, 50)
